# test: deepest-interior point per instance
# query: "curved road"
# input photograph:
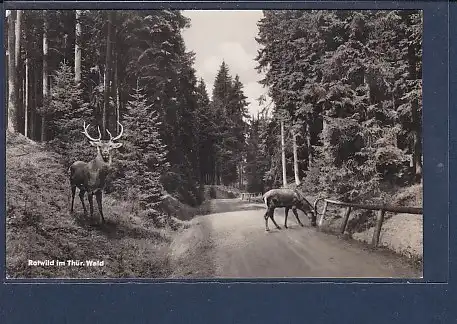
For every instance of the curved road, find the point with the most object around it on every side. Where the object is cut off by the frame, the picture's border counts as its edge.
(235, 245)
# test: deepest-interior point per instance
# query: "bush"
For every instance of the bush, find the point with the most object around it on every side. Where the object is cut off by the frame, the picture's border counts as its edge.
(393, 165)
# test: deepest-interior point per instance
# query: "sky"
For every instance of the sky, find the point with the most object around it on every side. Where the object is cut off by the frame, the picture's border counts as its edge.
(229, 35)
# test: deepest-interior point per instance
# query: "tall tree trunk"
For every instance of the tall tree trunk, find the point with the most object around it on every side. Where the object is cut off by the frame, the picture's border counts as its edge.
(309, 146)
(241, 174)
(108, 63)
(17, 56)
(417, 145)
(17, 45)
(33, 112)
(12, 78)
(118, 99)
(115, 91)
(216, 174)
(26, 99)
(283, 156)
(296, 172)
(78, 47)
(416, 120)
(45, 75)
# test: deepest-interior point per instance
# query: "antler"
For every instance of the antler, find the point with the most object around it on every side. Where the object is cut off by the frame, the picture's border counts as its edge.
(118, 136)
(88, 136)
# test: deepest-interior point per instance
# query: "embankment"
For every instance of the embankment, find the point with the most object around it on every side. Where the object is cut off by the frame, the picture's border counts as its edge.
(39, 226)
(400, 233)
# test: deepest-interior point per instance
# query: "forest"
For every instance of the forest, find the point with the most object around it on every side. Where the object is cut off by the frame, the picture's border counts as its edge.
(347, 87)
(342, 117)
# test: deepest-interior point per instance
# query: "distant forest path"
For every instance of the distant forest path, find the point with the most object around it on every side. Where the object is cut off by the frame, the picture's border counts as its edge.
(234, 244)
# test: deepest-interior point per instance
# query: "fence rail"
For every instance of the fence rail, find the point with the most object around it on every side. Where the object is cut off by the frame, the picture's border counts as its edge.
(249, 195)
(382, 209)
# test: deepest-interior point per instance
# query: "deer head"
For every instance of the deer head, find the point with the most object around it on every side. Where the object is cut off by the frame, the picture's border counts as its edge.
(104, 147)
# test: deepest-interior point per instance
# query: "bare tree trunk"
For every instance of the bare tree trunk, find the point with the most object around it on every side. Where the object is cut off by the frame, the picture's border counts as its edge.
(26, 99)
(78, 47)
(309, 147)
(17, 56)
(108, 63)
(118, 100)
(45, 74)
(283, 156)
(241, 175)
(17, 45)
(12, 78)
(33, 112)
(417, 145)
(7, 77)
(116, 93)
(296, 173)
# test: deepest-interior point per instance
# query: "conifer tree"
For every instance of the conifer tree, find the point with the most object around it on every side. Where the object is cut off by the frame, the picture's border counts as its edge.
(68, 112)
(144, 158)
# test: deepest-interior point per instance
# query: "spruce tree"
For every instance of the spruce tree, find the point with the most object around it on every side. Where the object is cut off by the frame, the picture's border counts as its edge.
(68, 113)
(205, 123)
(144, 158)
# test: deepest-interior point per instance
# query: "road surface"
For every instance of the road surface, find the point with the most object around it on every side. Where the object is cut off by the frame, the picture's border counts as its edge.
(236, 245)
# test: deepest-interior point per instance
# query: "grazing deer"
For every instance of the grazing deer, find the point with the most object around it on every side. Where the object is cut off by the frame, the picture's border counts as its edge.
(287, 198)
(90, 177)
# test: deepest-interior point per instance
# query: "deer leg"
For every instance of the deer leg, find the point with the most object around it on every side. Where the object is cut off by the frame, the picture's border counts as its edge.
(91, 203)
(313, 220)
(81, 196)
(73, 192)
(285, 219)
(266, 216)
(294, 209)
(273, 219)
(98, 197)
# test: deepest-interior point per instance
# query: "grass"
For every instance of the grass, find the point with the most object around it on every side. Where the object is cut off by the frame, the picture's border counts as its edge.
(39, 225)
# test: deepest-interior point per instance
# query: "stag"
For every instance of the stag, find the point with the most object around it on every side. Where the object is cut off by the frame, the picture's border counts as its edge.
(287, 198)
(90, 176)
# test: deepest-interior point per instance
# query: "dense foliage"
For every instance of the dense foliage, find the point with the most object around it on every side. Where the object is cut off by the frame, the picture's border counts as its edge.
(349, 83)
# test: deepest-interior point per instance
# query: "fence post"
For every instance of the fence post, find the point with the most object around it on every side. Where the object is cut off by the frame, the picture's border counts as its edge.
(377, 232)
(345, 220)
(321, 219)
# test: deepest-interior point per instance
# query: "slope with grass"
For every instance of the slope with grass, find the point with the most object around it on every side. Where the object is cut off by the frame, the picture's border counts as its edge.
(40, 227)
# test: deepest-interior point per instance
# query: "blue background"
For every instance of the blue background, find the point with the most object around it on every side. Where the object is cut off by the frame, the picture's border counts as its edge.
(432, 300)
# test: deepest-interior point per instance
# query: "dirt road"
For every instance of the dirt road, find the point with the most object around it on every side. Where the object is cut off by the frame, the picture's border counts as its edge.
(235, 245)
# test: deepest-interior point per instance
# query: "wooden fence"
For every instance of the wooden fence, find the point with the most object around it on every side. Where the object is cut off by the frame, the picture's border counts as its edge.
(249, 195)
(382, 209)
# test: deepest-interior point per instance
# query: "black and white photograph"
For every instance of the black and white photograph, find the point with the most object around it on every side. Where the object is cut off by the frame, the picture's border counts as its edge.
(203, 144)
